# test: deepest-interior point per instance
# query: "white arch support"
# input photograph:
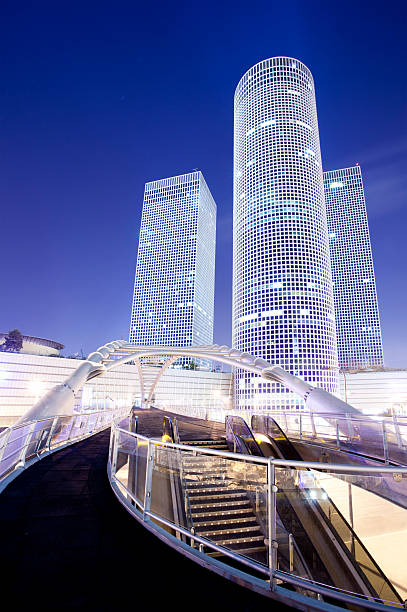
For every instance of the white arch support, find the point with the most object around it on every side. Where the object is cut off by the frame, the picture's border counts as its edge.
(60, 399)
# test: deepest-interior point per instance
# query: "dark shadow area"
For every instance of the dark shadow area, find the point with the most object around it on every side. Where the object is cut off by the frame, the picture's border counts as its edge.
(68, 544)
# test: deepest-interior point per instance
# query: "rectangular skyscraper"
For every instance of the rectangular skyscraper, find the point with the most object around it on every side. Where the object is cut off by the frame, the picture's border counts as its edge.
(355, 299)
(173, 299)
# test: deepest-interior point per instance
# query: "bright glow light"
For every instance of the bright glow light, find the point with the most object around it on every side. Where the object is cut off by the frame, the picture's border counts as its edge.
(335, 184)
(313, 494)
(36, 387)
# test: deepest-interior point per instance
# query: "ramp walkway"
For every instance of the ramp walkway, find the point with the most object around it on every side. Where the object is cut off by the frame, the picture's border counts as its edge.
(67, 544)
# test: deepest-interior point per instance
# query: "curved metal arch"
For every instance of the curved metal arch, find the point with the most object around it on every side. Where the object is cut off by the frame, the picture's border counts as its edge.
(60, 400)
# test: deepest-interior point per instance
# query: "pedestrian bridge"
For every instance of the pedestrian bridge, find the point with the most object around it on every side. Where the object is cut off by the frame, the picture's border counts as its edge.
(251, 500)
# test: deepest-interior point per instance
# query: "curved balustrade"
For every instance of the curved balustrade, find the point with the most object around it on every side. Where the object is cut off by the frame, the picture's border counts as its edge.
(25, 443)
(147, 476)
(383, 437)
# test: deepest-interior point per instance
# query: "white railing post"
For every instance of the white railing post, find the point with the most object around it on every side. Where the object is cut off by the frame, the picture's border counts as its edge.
(291, 551)
(149, 477)
(115, 451)
(272, 525)
(385, 443)
(314, 431)
(85, 428)
(51, 431)
(28, 437)
(397, 431)
(6, 439)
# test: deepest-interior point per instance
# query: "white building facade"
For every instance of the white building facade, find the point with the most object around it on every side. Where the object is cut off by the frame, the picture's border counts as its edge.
(355, 298)
(173, 300)
(24, 379)
(282, 285)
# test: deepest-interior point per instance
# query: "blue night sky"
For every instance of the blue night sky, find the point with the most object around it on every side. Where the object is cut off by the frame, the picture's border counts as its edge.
(96, 98)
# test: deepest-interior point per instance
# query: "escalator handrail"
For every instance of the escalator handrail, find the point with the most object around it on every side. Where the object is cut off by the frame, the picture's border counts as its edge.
(230, 424)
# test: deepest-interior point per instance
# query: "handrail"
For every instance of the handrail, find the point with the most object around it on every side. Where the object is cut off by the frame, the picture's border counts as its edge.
(336, 467)
(378, 437)
(143, 512)
(23, 444)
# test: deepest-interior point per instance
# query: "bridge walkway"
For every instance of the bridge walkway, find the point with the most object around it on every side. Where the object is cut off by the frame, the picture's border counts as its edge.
(68, 544)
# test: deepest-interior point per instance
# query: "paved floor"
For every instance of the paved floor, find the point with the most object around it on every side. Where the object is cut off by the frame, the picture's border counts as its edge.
(68, 544)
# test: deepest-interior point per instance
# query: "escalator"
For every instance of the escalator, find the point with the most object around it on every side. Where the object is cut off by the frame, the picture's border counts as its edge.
(330, 549)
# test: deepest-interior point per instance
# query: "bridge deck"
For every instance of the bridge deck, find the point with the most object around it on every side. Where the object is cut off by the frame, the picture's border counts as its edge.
(68, 544)
(150, 424)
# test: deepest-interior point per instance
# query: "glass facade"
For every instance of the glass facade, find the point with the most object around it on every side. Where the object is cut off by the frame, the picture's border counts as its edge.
(282, 285)
(173, 298)
(356, 308)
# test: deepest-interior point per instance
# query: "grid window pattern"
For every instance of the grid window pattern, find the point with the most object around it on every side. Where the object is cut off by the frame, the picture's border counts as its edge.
(173, 298)
(282, 285)
(356, 309)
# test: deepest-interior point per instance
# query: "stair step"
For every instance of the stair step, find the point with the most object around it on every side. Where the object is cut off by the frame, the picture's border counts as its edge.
(240, 551)
(213, 489)
(197, 484)
(246, 511)
(222, 532)
(242, 502)
(227, 495)
(232, 521)
(229, 542)
(205, 443)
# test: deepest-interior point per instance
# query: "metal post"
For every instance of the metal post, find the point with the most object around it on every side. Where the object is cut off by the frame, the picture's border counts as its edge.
(6, 439)
(338, 441)
(300, 426)
(271, 512)
(149, 477)
(351, 516)
(51, 431)
(385, 443)
(397, 431)
(26, 443)
(86, 424)
(131, 479)
(348, 420)
(314, 431)
(291, 551)
(115, 451)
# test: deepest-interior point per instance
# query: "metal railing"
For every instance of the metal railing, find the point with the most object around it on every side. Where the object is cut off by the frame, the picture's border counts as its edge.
(150, 495)
(380, 437)
(23, 444)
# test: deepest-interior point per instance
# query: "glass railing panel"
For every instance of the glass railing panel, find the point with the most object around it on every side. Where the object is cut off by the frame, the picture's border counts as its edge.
(403, 433)
(125, 453)
(168, 495)
(63, 430)
(342, 531)
(141, 449)
(373, 528)
(295, 517)
(228, 501)
(367, 437)
(14, 447)
(39, 438)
